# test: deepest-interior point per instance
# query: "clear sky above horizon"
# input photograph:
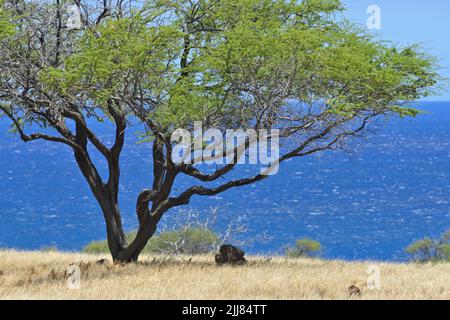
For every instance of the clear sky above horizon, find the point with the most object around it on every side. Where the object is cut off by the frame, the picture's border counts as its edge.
(411, 21)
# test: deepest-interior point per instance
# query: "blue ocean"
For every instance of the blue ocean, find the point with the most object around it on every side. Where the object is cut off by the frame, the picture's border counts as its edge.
(392, 189)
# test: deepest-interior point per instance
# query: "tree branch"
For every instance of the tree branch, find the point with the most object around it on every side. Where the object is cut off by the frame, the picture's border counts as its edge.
(79, 119)
(37, 136)
(185, 197)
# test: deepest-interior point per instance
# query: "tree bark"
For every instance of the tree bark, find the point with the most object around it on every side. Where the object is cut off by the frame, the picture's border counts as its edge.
(114, 230)
(148, 224)
(106, 194)
(132, 252)
(107, 198)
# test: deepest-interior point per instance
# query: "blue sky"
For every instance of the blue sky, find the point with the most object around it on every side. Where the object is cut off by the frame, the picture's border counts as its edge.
(411, 21)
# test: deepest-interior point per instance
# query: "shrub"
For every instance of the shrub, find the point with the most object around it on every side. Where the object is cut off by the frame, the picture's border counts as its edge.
(304, 248)
(186, 240)
(190, 234)
(49, 249)
(102, 246)
(445, 251)
(96, 247)
(431, 249)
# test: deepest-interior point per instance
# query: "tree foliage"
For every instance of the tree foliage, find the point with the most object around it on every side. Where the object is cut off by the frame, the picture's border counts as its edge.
(6, 26)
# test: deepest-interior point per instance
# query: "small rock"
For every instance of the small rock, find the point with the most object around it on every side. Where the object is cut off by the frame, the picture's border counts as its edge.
(102, 261)
(230, 255)
(354, 291)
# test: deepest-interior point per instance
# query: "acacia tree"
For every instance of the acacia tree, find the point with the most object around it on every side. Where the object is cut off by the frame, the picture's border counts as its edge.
(297, 66)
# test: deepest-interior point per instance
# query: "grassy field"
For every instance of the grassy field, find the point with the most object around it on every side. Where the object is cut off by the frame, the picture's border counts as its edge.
(42, 275)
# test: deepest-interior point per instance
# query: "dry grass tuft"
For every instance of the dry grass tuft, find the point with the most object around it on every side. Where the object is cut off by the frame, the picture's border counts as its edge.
(43, 275)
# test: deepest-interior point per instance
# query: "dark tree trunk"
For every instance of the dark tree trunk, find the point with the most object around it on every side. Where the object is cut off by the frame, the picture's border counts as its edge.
(132, 252)
(148, 224)
(110, 208)
(106, 194)
(164, 177)
(114, 230)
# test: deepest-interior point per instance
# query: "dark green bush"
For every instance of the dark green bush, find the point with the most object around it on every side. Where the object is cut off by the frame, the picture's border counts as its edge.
(49, 249)
(186, 240)
(427, 249)
(304, 248)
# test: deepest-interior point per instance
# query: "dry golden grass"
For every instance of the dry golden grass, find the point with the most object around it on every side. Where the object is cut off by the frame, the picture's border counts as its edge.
(41, 275)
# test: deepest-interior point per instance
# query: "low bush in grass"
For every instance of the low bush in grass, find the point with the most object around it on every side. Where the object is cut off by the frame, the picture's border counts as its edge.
(304, 248)
(431, 250)
(187, 240)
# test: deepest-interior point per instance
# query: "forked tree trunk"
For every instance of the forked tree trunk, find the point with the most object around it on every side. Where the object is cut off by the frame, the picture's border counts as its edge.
(132, 252)
(116, 238)
(148, 224)
(120, 251)
(107, 197)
